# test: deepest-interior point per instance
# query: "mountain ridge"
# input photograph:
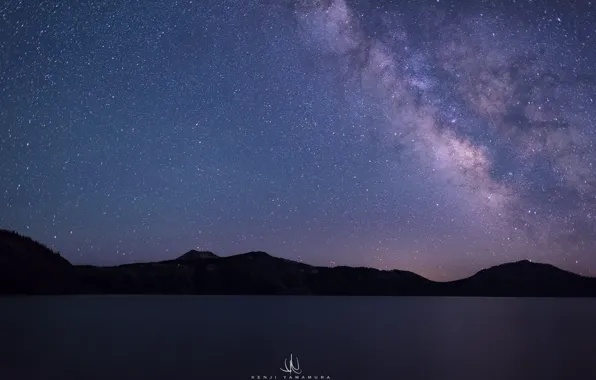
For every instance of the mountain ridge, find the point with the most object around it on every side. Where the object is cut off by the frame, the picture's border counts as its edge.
(29, 267)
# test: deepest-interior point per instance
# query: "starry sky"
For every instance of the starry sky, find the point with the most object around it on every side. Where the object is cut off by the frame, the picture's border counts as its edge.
(439, 137)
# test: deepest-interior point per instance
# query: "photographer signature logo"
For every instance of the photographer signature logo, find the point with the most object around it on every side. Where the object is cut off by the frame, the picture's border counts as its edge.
(291, 371)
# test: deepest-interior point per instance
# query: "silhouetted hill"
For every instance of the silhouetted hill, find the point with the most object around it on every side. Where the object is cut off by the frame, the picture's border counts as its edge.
(524, 279)
(27, 267)
(193, 255)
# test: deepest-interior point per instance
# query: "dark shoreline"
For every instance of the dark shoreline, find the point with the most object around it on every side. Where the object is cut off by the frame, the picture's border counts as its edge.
(29, 268)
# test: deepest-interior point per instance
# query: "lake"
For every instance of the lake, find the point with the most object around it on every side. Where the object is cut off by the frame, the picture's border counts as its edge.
(341, 338)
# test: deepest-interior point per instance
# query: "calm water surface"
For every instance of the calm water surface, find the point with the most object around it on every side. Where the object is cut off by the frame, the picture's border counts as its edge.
(201, 337)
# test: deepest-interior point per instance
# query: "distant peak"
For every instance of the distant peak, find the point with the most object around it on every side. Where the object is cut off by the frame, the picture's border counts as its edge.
(258, 253)
(522, 265)
(197, 255)
(525, 262)
(528, 262)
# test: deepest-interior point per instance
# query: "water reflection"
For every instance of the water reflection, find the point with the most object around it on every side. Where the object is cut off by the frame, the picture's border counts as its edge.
(339, 337)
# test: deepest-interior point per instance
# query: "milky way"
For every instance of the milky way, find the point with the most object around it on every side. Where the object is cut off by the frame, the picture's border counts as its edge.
(501, 109)
(429, 136)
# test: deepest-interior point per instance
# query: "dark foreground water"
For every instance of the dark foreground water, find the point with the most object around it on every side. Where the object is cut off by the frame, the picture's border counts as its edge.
(198, 337)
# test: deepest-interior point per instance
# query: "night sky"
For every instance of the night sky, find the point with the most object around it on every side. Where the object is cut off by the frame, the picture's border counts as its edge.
(439, 137)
